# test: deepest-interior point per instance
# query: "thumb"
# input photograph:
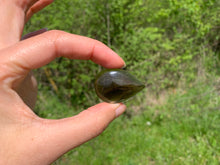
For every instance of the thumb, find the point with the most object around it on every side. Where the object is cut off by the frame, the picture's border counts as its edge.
(65, 134)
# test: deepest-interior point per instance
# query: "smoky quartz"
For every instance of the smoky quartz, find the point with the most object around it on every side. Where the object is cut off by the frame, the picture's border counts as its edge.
(116, 85)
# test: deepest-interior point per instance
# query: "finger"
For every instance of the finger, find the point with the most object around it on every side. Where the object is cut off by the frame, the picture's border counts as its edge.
(25, 4)
(38, 51)
(13, 17)
(71, 132)
(37, 7)
(10, 23)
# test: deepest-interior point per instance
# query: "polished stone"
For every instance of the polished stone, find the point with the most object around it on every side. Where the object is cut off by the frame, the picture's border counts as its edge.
(116, 85)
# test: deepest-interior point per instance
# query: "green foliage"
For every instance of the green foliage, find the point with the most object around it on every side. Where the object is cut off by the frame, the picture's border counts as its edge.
(163, 43)
(184, 130)
(173, 46)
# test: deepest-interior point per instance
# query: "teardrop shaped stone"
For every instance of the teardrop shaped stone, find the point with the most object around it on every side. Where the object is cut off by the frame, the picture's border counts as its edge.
(116, 85)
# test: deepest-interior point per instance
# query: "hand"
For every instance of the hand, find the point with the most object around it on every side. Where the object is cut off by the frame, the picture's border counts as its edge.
(24, 137)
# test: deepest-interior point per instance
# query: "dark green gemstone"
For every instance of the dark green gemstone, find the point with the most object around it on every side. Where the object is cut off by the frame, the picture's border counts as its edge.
(116, 85)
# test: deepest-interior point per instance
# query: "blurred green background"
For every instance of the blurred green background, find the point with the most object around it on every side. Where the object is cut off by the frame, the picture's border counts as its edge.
(173, 46)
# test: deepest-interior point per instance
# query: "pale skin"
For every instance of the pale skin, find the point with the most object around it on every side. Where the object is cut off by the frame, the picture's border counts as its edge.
(25, 138)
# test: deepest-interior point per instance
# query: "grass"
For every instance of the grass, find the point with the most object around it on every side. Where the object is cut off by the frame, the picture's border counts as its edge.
(183, 130)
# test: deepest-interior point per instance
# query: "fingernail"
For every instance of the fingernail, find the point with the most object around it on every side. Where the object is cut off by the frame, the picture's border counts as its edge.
(121, 109)
(31, 34)
(123, 66)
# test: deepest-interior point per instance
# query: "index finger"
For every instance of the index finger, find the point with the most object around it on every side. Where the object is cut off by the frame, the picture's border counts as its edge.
(38, 51)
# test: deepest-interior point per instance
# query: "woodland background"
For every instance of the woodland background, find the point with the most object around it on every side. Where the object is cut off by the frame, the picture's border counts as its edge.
(173, 46)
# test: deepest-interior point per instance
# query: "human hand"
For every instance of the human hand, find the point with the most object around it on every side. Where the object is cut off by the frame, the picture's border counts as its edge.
(24, 137)
(13, 16)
